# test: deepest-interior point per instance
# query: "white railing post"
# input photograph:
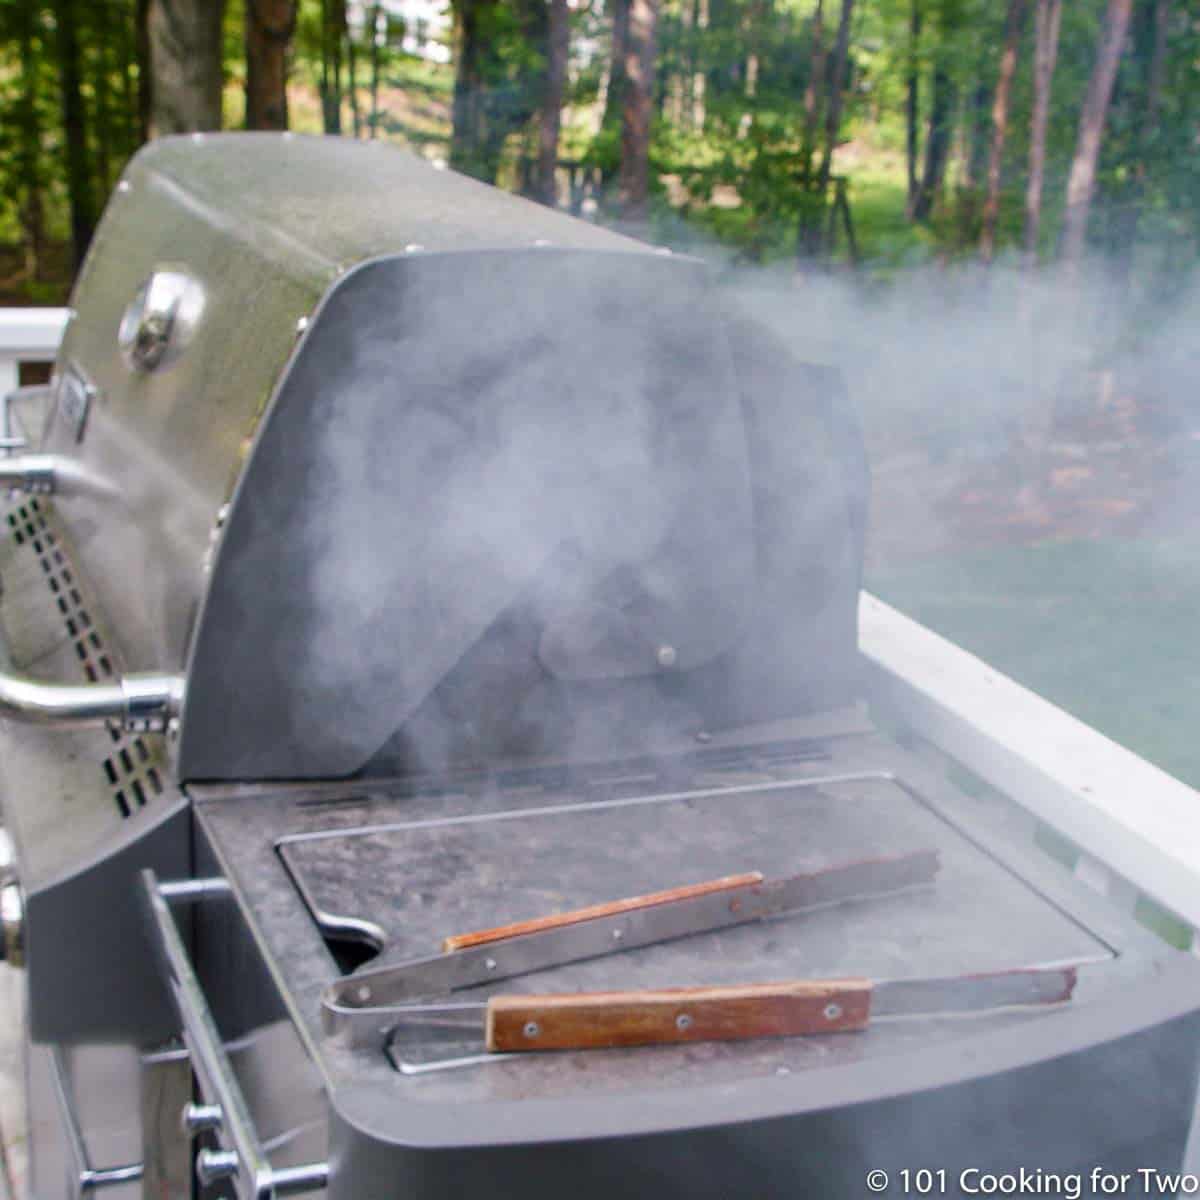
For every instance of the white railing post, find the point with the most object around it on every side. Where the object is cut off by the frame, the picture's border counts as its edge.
(28, 335)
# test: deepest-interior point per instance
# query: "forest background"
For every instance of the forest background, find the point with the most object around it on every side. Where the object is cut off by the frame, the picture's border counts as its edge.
(828, 133)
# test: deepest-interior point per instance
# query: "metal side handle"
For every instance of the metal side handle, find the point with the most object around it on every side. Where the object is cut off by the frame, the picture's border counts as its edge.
(240, 1158)
(140, 703)
(88, 1178)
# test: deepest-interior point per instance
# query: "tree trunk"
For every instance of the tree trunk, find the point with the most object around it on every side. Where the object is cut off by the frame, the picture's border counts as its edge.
(1008, 68)
(814, 93)
(129, 86)
(333, 28)
(614, 100)
(33, 212)
(468, 88)
(912, 108)
(1081, 186)
(633, 184)
(185, 64)
(270, 25)
(557, 47)
(1048, 20)
(837, 87)
(975, 156)
(101, 80)
(145, 71)
(74, 117)
(1151, 24)
(810, 242)
(378, 30)
(699, 78)
(352, 82)
(937, 141)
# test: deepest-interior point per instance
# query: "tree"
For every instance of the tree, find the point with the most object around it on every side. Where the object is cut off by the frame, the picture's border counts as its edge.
(614, 97)
(1081, 185)
(269, 26)
(1151, 24)
(633, 184)
(29, 158)
(912, 107)
(557, 47)
(498, 79)
(378, 26)
(333, 30)
(943, 96)
(1008, 68)
(145, 73)
(1047, 22)
(185, 65)
(74, 120)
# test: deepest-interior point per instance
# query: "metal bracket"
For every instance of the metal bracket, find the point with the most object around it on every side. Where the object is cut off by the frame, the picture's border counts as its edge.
(10, 440)
(88, 1178)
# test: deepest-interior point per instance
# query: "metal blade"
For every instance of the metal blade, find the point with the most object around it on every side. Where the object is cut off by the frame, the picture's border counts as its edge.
(440, 973)
(973, 993)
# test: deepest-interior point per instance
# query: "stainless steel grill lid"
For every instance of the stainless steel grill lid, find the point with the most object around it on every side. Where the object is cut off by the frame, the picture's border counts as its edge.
(457, 433)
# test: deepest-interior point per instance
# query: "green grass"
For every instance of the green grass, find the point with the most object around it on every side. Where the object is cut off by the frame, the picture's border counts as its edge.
(1107, 630)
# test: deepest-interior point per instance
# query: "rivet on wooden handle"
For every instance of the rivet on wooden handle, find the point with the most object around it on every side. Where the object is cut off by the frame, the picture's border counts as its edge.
(594, 1020)
(612, 908)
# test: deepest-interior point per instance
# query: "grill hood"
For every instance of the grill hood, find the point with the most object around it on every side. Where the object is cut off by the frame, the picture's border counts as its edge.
(419, 474)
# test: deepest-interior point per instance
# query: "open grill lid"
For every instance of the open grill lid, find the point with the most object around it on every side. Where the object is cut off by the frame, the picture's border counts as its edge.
(515, 489)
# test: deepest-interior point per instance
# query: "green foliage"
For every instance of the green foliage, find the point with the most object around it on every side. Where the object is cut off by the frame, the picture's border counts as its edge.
(729, 141)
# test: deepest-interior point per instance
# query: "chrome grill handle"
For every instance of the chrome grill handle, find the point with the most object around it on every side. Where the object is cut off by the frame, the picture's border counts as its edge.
(138, 703)
(241, 1158)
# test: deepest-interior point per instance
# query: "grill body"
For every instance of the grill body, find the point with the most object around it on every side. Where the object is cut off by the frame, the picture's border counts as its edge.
(441, 507)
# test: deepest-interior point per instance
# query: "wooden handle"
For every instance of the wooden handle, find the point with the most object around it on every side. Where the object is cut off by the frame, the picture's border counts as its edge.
(594, 1020)
(612, 908)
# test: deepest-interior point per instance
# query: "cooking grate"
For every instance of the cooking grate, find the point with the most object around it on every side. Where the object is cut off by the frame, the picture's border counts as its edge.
(133, 769)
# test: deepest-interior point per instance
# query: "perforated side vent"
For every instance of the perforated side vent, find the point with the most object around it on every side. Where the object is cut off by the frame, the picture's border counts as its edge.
(133, 770)
(132, 773)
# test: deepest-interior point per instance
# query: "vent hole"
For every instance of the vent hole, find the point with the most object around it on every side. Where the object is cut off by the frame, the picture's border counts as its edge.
(94, 640)
(110, 770)
(155, 781)
(72, 628)
(90, 672)
(114, 733)
(122, 803)
(105, 665)
(62, 606)
(140, 747)
(140, 793)
(126, 761)
(81, 651)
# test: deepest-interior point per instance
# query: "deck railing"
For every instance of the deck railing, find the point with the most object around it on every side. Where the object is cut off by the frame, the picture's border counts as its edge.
(28, 335)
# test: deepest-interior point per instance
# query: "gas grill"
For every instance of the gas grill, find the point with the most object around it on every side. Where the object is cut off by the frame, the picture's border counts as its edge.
(438, 750)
